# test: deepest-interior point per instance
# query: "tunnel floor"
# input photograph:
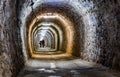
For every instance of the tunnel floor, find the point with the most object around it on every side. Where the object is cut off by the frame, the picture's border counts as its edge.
(68, 68)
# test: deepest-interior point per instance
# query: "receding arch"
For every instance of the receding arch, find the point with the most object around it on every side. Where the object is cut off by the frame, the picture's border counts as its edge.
(48, 32)
(65, 23)
(63, 8)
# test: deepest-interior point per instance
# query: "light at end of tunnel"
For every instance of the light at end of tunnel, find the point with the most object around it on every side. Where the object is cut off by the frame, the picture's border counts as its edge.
(65, 23)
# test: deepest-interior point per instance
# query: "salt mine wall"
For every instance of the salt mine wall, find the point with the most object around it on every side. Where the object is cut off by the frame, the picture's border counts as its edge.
(107, 36)
(11, 58)
(96, 24)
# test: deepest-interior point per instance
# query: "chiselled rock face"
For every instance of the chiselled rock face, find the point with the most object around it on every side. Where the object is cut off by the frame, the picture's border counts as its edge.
(56, 29)
(35, 29)
(64, 28)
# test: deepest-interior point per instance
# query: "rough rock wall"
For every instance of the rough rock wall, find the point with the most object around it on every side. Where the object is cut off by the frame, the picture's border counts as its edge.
(101, 37)
(109, 33)
(106, 47)
(11, 59)
(100, 28)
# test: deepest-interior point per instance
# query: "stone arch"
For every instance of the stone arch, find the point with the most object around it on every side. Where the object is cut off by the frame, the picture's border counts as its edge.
(76, 11)
(69, 33)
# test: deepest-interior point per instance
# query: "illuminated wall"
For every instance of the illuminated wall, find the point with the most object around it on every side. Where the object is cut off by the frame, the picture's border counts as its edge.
(52, 29)
(90, 34)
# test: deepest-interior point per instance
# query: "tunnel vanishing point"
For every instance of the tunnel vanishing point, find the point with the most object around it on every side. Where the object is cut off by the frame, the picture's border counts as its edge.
(56, 35)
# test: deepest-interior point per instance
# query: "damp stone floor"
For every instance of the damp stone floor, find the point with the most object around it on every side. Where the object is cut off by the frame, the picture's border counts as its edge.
(67, 68)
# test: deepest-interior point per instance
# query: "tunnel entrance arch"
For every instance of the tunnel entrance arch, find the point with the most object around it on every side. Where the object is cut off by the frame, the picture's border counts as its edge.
(67, 11)
(47, 33)
(63, 34)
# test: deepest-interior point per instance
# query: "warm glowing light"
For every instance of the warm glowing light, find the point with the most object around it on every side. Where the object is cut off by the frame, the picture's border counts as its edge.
(65, 23)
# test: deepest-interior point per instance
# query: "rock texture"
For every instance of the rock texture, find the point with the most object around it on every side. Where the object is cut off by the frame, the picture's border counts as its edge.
(108, 33)
(102, 33)
(97, 28)
(11, 59)
(105, 48)
(4, 66)
(96, 24)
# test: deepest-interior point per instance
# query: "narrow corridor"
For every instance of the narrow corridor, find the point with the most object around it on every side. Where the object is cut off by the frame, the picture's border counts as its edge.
(59, 38)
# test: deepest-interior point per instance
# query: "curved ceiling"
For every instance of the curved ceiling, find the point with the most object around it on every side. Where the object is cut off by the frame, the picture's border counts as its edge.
(66, 24)
(76, 19)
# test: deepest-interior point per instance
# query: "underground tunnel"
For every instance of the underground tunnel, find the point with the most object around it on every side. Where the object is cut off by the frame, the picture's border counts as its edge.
(59, 38)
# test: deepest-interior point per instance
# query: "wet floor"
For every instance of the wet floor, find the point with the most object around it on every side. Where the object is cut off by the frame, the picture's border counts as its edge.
(71, 68)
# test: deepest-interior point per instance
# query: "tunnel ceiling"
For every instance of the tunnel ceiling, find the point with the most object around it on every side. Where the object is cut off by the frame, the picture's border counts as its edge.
(95, 28)
(70, 23)
(95, 32)
(62, 39)
(50, 23)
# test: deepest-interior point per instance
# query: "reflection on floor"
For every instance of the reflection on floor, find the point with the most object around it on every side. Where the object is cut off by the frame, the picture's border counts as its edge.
(67, 68)
(44, 48)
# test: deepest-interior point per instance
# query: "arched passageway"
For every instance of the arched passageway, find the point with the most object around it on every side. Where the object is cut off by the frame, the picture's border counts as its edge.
(58, 18)
(63, 35)
(59, 38)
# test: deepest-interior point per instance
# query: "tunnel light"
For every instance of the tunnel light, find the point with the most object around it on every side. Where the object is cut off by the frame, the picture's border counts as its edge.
(46, 24)
(63, 22)
(49, 36)
(49, 17)
(43, 33)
